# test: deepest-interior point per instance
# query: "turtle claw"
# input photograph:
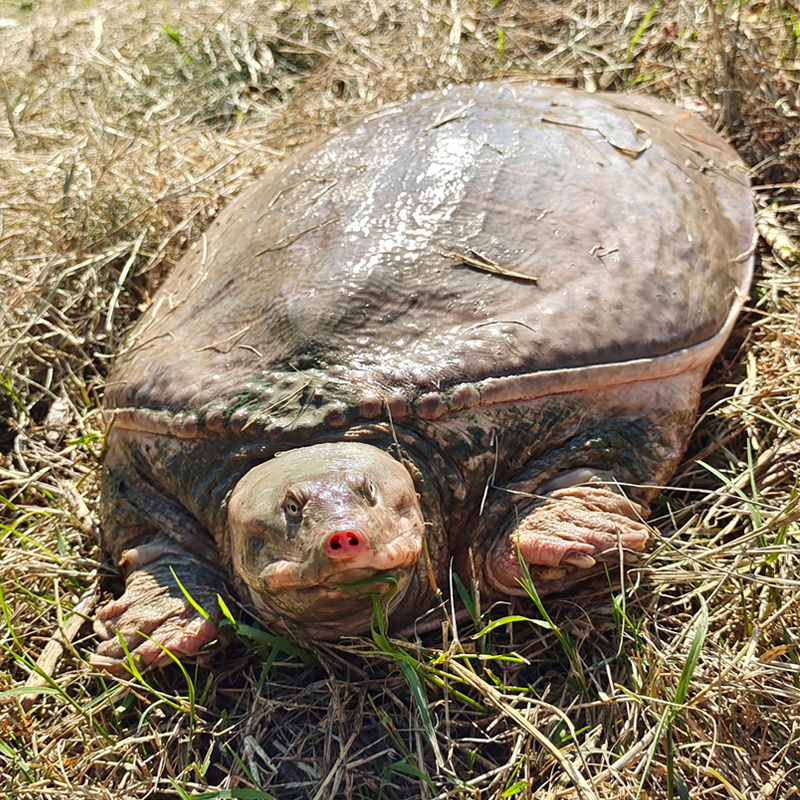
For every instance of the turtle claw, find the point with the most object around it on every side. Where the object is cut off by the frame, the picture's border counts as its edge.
(154, 618)
(580, 561)
(551, 574)
(568, 538)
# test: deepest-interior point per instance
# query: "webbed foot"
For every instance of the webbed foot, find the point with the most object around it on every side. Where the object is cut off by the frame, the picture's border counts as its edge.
(567, 539)
(154, 614)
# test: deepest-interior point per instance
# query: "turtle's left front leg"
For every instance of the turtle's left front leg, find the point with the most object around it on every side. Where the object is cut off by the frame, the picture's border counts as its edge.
(172, 567)
(565, 539)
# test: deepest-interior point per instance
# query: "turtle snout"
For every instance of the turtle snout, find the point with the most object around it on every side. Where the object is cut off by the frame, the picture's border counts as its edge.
(346, 548)
(344, 544)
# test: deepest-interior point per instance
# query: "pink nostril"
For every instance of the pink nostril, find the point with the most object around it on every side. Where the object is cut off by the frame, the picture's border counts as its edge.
(343, 543)
(353, 542)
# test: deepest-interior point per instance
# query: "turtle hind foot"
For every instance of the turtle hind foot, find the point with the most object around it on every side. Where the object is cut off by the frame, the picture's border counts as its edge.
(154, 615)
(567, 539)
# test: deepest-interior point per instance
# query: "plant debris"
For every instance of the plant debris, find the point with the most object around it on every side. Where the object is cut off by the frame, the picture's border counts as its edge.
(476, 260)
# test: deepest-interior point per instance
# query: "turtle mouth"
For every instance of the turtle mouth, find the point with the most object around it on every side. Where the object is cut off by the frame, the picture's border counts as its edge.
(349, 579)
(345, 599)
(348, 583)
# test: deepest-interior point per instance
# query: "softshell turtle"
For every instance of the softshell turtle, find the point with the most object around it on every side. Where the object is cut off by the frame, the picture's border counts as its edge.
(463, 331)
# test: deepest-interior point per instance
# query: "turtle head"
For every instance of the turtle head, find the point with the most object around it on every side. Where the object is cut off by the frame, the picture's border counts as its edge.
(318, 531)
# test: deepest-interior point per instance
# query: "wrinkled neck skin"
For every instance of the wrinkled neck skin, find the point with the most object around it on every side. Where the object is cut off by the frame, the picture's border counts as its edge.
(439, 482)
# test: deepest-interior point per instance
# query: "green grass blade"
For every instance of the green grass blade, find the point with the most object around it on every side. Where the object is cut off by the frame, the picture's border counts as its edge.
(420, 697)
(648, 18)
(19, 691)
(466, 598)
(194, 604)
(410, 769)
(234, 794)
(694, 654)
(498, 623)
(251, 632)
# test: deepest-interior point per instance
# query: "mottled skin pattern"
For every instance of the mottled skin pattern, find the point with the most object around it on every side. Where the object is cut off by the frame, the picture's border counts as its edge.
(323, 310)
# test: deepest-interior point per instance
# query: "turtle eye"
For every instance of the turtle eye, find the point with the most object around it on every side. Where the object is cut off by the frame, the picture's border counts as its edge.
(255, 545)
(370, 492)
(293, 507)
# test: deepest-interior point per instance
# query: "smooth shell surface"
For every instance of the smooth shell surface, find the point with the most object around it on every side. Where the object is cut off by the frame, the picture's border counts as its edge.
(344, 266)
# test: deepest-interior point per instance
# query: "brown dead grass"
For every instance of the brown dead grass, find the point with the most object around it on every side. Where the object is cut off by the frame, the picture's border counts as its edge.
(124, 127)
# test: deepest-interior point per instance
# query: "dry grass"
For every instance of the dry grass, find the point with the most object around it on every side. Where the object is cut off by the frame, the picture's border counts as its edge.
(123, 128)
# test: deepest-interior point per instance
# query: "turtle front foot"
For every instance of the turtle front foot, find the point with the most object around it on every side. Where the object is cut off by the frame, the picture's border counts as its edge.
(567, 539)
(154, 615)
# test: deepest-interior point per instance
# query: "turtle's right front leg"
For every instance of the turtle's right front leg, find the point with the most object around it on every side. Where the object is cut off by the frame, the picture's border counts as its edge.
(154, 614)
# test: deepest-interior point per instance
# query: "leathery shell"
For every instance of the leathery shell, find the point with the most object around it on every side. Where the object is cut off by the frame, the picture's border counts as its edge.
(473, 247)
